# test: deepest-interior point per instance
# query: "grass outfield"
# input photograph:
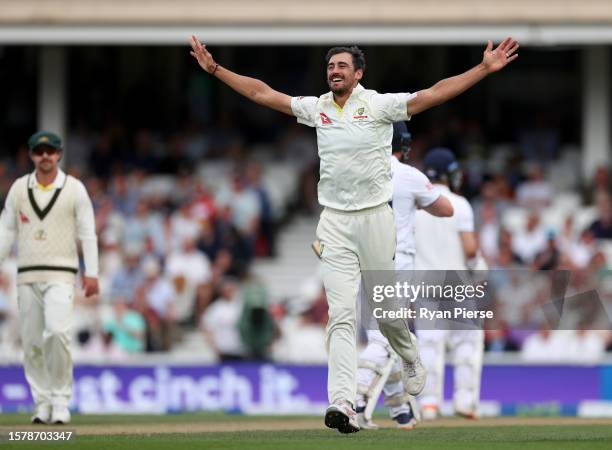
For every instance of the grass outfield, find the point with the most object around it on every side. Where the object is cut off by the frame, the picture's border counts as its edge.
(212, 431)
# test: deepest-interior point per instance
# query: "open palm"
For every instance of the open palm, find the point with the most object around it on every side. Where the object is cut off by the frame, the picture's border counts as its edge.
(504, 54)
(199, 52)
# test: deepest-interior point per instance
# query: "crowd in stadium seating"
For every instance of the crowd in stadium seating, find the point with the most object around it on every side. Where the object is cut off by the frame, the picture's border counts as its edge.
(179, 229)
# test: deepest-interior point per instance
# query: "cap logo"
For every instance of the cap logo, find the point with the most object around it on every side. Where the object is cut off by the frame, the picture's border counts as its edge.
(42, 139)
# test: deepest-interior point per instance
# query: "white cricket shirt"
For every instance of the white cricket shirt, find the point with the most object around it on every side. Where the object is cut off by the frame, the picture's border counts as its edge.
(438, 245)
(51, 240)
(411, 188)
(354, 145)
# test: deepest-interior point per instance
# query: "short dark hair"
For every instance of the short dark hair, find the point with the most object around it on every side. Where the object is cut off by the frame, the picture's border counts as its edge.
(357, 54)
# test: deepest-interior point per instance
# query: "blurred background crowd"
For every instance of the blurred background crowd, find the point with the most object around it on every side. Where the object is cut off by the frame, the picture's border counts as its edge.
(206, 204)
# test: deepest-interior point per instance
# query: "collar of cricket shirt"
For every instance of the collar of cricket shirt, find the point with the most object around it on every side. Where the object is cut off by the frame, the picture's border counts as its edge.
(58, 183)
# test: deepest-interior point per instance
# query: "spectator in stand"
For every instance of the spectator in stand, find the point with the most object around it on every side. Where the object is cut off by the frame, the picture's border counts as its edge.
(535, 192)
(130, 276)
(144, 224)
(550, 257)
(155, 299)
(127, 327)
(532, 240)
(267, 225)
(543, 346)
(219, 323)
(299, 147)
(602, 227)
(125, 197)
(244, 207)
(257, 326)
(98, 346)
(581, 251)
(191, 274)
(108, 219)
(230, 240)
(498, 339)
(182, 226)
(203, 207)
(489, 232)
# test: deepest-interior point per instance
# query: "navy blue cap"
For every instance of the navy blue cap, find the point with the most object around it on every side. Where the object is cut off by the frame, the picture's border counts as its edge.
(400, 136)
(439, 162)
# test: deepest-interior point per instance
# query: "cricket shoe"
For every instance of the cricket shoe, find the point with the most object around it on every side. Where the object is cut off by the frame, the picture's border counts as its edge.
(42, 414)
(364, 422)
(342, 416)
(415, 376)
(405, 421)
(467, 414)
(60, 415)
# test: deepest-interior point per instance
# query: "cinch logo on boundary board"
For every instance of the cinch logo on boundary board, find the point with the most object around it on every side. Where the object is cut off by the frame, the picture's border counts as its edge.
(161, 391)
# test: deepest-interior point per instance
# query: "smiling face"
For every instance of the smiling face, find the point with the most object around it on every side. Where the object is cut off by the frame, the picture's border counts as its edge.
(45, 158)
(341, 73)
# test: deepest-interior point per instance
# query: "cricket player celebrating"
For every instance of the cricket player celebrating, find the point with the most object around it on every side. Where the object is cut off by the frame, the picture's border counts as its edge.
(46, 211)
(448, 244)
(356, 230)
(378, 363)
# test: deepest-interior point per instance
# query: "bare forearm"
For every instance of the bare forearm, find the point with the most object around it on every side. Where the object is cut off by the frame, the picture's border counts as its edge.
(251, 88)
(451, 87)
(446, 89)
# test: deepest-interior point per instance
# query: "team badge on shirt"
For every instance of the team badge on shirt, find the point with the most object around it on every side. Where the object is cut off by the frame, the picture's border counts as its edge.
(23, 218)
(360, 114)
(40, 235)
(325, 119)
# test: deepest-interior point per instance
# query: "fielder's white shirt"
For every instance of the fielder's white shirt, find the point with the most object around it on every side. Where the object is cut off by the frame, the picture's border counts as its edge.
(438, 245)
(354, 145)
(84, 216)
(411, 188)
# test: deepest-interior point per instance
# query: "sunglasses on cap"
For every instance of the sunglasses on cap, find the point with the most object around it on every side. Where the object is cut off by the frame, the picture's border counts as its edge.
(42, 149)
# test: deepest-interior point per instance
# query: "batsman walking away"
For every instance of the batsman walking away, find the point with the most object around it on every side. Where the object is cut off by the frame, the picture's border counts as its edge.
(354, 129)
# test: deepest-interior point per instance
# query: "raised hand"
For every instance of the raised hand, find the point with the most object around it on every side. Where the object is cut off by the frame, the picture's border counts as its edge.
(504, 54)
(204, 58)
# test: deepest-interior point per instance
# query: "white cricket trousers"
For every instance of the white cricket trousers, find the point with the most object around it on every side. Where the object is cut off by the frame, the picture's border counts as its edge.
(45, 311)
(376, 352)
(353, 241)
(465, 348)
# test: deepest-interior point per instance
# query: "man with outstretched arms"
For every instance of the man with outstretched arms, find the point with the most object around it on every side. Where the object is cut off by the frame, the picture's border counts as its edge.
(356, 229)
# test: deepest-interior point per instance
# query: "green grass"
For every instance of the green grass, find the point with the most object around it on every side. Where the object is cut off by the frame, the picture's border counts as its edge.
(521, 437)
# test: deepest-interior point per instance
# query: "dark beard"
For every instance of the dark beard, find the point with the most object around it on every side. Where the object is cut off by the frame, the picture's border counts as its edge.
(338, 92)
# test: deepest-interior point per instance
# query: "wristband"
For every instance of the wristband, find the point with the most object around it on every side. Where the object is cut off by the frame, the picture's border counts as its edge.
(215, 69)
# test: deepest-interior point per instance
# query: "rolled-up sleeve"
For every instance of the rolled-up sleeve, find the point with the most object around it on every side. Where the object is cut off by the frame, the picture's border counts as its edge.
(392, 107)
(304, 108)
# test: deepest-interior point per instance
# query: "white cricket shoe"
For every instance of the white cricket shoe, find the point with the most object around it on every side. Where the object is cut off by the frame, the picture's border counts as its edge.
(414, 376)
(60, 415)
(42, 414)
(342, 416)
